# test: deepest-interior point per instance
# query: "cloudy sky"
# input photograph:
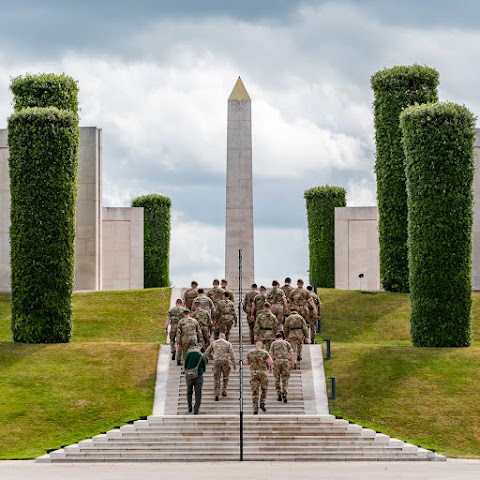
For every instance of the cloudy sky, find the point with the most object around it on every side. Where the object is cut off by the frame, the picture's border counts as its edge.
(155, 75)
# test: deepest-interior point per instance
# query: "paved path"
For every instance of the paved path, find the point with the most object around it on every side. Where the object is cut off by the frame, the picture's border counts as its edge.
(28, 470)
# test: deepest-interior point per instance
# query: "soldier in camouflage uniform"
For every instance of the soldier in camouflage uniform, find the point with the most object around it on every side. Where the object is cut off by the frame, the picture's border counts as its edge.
(296, 332)
(221, 352)
(204, 320)
(247, 308)
(205, 302)
(175, 314)
(301, 299)
(282, 355)
(190, 295)
(312, 318)
(259, 360)
(216, 295)
(287, 287)
(277, 299)
(188, 333)
(265, 326)
(258, 301)
(223, 284)
(227, 317)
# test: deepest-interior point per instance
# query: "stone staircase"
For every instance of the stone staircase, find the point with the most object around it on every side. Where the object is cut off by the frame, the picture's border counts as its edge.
(300, 430)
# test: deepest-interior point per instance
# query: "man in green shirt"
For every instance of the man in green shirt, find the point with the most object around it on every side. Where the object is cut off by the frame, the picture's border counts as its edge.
(192, 359)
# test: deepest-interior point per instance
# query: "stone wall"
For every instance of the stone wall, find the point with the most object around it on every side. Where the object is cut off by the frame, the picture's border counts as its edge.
(476, 218)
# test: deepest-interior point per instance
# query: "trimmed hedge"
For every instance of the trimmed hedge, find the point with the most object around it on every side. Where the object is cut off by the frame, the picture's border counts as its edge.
(45, 90)
(395, 89)
(321, 203)
(438, 141)
(156, 239)
(43, 164)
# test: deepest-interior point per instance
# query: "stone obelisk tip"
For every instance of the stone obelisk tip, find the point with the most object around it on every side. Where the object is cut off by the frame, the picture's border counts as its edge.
(239, 91)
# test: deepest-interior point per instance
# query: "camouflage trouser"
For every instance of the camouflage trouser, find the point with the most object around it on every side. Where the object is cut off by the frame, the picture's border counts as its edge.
(225, 325)
(312, 322)
(281, 372)
(251, 325)
(277, 310)
(187, 343)
(173, 334)
(266, 340)
(206, 336)
(220, 367)
(296, 341)
(258, 380)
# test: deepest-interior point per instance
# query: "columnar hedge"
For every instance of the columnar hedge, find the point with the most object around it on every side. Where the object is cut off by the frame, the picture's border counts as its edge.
(395, 89)
(156, 239)
(438, 141)
(43, 164)
(321, 203)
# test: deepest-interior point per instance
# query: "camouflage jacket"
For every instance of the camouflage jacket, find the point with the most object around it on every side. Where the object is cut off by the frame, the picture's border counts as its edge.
(276, 295)
(175, 314)
(316, 301)
(215, 294)
(258, 358)
(259, 301)
(247, 302)
(205, 303)
(203, 318)
(299, 297)
(220, 349)
(226, 308)
(189, 327)
(287, 288)
(188, 297)
(266, 323)
(280, 350)
(230, 294)
(295, 324)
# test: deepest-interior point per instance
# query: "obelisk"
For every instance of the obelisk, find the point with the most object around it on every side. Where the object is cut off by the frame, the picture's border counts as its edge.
(239, 214)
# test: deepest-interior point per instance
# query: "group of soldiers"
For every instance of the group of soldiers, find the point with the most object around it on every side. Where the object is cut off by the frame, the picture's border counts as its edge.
(280, 322)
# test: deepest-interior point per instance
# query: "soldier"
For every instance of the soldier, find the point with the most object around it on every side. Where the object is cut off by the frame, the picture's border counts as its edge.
(224, 284)
(193, 358)
(204, 320)
(221, 352)
(205, 302)
(215, 294)
(296, 332)
(188, 334)
(277, 299)
(189, 295)
(312, 318)
(287, 288)
(175, 314)
(265, 326)
(258, 301)
(300, 298)
(259, 360)
(227, 316)
(247, 308)
(282, 355)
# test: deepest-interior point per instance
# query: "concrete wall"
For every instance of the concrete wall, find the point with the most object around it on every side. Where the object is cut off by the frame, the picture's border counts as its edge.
(357, 250)
(122, 251)
(4, 214)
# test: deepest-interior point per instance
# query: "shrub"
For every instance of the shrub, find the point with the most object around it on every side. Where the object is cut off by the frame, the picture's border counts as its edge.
(156, 239)
(395, 89)
(45, 90)
(321, 203)
(438, 141)
(43, 164)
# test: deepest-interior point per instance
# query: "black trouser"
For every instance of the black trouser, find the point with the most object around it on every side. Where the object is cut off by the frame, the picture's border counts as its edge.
(196, 383)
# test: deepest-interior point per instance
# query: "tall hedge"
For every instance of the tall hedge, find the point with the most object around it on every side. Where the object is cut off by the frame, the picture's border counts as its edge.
(395, 89)
(43, 165)
(321, 203)
(156, 239)
(438, 141)
(45, 90)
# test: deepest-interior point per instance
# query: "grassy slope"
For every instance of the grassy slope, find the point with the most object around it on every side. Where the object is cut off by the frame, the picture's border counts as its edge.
(54, 395)
(427, 396)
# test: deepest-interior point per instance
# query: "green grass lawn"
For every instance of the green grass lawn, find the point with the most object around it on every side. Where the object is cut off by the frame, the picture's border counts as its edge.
(427, 396)
(55, 395)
